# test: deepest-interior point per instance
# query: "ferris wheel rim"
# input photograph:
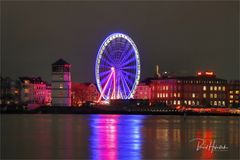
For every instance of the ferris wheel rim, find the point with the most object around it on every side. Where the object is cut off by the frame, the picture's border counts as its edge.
(101, 50)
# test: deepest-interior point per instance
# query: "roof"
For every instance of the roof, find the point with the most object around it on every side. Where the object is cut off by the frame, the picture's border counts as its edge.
(60, 62)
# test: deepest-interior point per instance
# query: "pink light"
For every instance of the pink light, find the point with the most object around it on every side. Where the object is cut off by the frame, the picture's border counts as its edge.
(114, 83)
(105, 86)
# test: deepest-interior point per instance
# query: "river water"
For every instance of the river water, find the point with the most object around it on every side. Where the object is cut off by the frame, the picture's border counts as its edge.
(110, 137)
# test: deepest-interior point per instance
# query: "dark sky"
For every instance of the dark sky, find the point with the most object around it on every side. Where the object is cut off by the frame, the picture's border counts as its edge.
(182, 37)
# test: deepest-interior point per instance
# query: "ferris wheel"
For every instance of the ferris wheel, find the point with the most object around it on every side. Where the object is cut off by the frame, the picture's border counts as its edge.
(117, 67)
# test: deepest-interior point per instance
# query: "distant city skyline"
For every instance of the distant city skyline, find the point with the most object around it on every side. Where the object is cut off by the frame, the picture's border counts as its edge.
(181, 37)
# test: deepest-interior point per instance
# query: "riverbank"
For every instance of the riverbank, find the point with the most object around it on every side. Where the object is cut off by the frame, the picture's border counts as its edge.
(117, 110)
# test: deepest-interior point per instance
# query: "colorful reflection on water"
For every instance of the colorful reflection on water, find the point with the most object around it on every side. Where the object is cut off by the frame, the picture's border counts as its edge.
(116, 137)
(111, 137)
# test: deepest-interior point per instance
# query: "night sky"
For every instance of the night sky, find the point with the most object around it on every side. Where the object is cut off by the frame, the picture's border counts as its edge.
(182, 37)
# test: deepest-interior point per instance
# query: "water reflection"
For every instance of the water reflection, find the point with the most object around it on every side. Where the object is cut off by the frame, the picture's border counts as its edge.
(113, 137)
(116, 137)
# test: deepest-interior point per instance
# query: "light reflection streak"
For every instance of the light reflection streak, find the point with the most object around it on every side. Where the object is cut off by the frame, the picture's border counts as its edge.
(112, 139)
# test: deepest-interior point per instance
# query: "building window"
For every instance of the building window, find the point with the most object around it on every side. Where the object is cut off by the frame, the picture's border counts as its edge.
(223, 88)
(215, 95)
(231, 92)
(215, 88)
(211, 95)
(204, 88)
(219, 88)
(174, 102)
(237, 92)
(166, 95)
(197, 102)
(185, 101)
(215, 103)
(189, 102)
(204, 95)
(178, 102)
(166, 88)
(211, 88)
(223, 103)
(174, 94)
(193, 102)
(219, 103)
(179, 95)
(193, 95)
(231, 96)
(158, 95)
(60, 85)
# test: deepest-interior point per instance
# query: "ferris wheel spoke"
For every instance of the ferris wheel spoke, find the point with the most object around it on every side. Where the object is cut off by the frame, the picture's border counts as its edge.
(103, 80)
(127, 48)
(126, 84)
(128, 62)
(129, 67)
(108, 58)
(102, 74)
(128, 73)
(127, 55)
(123, 86)
(106, 61)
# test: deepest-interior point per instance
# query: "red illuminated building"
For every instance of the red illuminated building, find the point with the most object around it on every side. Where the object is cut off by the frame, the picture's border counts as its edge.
(143, 91)
(34, 91)
(204, 89)
(84, 92)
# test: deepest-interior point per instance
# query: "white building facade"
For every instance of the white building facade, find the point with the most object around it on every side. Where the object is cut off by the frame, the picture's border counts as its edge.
(61, 83)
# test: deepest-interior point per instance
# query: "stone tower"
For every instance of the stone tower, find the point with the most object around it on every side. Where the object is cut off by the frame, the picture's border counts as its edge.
(61, 83)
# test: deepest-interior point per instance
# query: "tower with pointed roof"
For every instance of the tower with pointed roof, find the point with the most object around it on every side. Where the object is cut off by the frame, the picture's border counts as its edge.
(61, 83)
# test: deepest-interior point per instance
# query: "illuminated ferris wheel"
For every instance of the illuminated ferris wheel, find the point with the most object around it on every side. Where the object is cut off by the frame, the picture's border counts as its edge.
(117, 67)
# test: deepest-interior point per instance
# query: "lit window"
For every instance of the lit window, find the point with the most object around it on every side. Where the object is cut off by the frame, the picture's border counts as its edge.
(215, 88)
(204, 95)
(185, 102)
(231, 96)
(158, 95)
(197, 102)
(166, 95)
(231, 92)
(174, 102)
(175, 95)
(215, 103)
(236, 101)
(211, 88)
(215, 95)
(163, 87)
(204, 88)
(211, 95)
(223, 103)
(179, 95)
(193, 95)
(178, 102)
(166, 88)
(189, 102)
(237, 92)
(223, 88)
(211, 103)
(219, 103)
(61, 85)
(161, 95)
(231, 101)
(219, 88)
(193, 102)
